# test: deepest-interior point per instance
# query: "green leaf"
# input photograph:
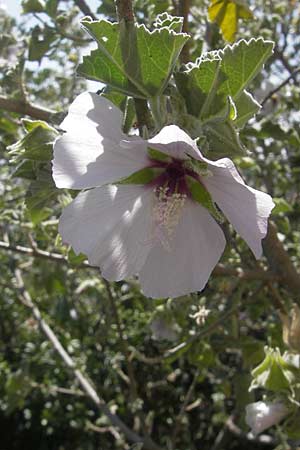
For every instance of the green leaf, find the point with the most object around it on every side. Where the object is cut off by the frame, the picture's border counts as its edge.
(199, 85)
(281, 206)
(41, 191)
(214, 91)
(223, 139)
(25, 170)
(118, 99)
(246, 107)
(40, 42)
(291, 427)
(253, 351)
(138, 63)
(75, 259)
(165, 20)
(37, 143)
(33, 6)
(51, 7)
(226, 14)
(17, 388)
(215, 76)
(241, 63)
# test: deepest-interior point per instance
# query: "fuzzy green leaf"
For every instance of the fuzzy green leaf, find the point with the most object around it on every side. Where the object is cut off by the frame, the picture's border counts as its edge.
(199, 85)
(37, 143)
(246, 107)
(282, 206)
(223, 139)
(165, 20)
(138, 63)
(40, 192)
(207, 84)
(241, 63)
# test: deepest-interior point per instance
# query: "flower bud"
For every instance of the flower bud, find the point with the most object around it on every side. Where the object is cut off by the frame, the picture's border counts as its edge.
(262, 415)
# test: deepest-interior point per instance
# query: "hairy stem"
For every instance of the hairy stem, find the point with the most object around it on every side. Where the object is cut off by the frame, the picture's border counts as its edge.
(125, 16)
(184, 10)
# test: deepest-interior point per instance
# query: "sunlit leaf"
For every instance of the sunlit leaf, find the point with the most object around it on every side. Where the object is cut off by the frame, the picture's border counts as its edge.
(226, 14)
(140, 66)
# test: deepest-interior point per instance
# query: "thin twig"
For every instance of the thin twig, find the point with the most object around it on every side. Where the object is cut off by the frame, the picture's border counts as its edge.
(280, 55)
(280, 86)
(276, 297)
(36, 252)
(183, 408)
(279, 260)
(112, 430)
(85, 9)
(133, 386)
(219, 271)
(130, 371)
(200, 335)
(83, 381)
(20, 107)
(53, 390)
(224, 437)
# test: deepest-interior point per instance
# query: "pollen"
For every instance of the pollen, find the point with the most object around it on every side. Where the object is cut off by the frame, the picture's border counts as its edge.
(166, 213)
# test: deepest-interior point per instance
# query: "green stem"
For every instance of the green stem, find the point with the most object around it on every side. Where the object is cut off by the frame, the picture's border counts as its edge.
(157, 112)
(143, 115)
(126, 19)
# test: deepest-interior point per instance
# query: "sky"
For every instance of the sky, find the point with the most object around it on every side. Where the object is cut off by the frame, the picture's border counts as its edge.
(14, 8)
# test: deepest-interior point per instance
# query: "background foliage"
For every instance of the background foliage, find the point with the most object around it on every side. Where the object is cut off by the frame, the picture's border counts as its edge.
(165, 367)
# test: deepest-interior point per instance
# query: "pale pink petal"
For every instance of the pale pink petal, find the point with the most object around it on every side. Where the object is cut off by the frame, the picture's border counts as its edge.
(89, 153)
(195, 249)
(263, 415)
(173, 141)
(111, 225)
(247, 209)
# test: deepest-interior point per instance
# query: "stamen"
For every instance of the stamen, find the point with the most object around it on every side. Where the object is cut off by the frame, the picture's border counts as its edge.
(166, 213)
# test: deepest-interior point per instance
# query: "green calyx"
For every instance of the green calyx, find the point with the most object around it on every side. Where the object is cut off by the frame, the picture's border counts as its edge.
(202, 196)
(143, 176)
(276, 373)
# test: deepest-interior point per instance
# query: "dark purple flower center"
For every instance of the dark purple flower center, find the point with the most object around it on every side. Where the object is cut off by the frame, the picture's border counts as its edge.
(173, 177)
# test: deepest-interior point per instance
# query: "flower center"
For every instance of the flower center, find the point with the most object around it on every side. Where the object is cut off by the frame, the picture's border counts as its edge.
(171, 191)
(173, 183)
(166, 213)
(172, 176)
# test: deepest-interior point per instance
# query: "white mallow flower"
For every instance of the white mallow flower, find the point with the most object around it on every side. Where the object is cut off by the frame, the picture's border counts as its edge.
(157, 230)
(263, 415)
